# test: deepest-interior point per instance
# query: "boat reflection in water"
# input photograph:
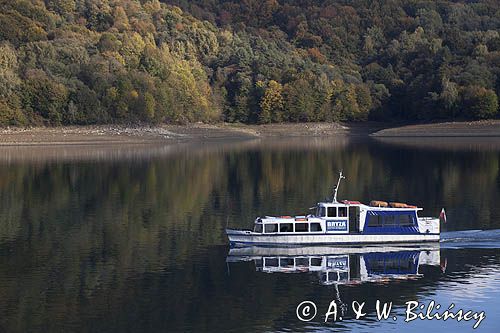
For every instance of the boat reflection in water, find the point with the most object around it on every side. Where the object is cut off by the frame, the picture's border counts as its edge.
(343, 265)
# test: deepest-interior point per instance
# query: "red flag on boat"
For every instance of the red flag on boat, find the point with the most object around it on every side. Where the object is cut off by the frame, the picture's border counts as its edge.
(442, 215)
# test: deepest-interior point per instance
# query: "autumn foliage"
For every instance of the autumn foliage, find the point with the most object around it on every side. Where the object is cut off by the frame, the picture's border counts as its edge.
(251, 61)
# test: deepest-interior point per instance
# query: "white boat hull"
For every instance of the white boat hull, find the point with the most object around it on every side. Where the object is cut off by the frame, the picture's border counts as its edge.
(242, 237)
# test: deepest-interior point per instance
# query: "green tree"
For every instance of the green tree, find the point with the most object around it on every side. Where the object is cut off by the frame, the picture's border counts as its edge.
(480, 103)
(11, 115)
(9, 78)
(46, 98)
(61, 6)
(300, 100)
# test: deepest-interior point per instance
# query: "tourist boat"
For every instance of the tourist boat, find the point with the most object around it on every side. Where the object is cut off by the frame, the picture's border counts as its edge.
(344, 265)
(343, 222)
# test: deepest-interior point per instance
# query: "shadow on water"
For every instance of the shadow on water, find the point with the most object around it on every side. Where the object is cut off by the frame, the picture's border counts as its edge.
(132, 238)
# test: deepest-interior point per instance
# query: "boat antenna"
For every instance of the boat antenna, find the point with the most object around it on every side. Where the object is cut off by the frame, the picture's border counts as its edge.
(337, 187)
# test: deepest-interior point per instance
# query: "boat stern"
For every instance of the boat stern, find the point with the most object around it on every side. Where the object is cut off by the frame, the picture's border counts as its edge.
(428, 225)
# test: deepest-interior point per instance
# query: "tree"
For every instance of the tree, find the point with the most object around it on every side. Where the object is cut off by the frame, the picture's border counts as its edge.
(19, 29)
(299, 100)
(45, 97)
(109, 42)
(61, 7)
(120, 19)
(131, 49)
(98, 15)
(364, 101)
(149, 106)
(480, 103)
(11, 115)
(449, 98)
(271, 104)
(9, 78)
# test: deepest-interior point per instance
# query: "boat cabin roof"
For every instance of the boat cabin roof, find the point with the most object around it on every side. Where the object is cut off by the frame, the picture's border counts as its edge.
(373, 205)
(338, 204)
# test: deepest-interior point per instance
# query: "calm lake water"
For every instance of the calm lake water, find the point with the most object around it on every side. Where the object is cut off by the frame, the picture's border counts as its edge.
(131, 238)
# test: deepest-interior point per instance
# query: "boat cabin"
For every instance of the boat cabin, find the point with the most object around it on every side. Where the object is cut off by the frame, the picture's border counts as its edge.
(345, 217)
(340, 217)
(287, 224)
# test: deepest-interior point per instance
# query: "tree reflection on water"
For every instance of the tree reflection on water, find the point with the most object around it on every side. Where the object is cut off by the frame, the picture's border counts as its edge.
(132, 238)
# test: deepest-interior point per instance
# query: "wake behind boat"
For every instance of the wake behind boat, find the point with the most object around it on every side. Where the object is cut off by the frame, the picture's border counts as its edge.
(343, 222)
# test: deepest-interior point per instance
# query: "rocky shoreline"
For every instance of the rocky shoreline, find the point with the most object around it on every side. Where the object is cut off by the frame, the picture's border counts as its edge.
(101, 134)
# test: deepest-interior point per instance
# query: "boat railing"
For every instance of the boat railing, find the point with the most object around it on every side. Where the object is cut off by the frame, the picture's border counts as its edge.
(427, 218)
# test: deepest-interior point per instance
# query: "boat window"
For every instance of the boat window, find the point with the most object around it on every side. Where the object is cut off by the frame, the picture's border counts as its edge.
(258, 263)
(405, 220)
(316, 261)
(286, 227)
(342, 211)
(286, 262)
(271, 262)
(375, 221)
(302, 262)
(258, 228)
(343, 276)
(405, 265)
(332, 211)
(390, 221)
(301, 227)
(325, 277)
(321, 211)
(269, 228)
(315, 227)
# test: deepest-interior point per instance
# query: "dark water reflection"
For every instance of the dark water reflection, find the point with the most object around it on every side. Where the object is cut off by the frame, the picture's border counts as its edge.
(132, 238)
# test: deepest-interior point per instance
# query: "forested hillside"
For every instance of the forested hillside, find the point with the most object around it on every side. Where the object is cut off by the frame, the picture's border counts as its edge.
(252, 61)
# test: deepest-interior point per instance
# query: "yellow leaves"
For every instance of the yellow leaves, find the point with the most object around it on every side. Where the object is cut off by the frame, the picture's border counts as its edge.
(349, 101)
(149, 40)
(189, 86)
(176, 10)
(481, 50)
(337, 85)
(112, 93)
(120, 19)
(132, 47)
(271, 103)
(114, 55)
(134, 94)
(152, 6)
(435, 45)
(419, 32)
(226, 36)
(200, 41)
